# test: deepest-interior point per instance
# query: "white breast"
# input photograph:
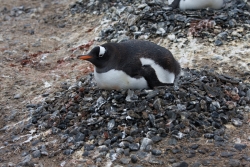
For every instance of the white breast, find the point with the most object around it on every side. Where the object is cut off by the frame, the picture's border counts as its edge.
(200, 4)
(115, 79)
(164, 76)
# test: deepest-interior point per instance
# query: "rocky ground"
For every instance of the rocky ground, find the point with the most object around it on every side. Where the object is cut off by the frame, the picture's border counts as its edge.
(52, 114)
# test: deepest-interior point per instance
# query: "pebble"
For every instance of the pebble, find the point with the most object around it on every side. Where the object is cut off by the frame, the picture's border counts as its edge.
(134, 147)
(218, 42)
(68, 152)
(180, 164)
(172, 141)
(125, 160)
(44, 150)
(85, 153)
(226, 154)
(196, 164)
(234, 163)
(194, 146)
(134, 158)
(212, 153)
(240, 147)
(156, 139)
(145, 142)
(156, 152)
(36, 154)
(26, 161)
(18, 96)
(248, 93)
(237, 122)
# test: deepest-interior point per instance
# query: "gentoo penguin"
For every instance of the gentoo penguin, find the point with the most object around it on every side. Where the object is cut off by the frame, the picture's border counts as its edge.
(119, 65)
(195, 4)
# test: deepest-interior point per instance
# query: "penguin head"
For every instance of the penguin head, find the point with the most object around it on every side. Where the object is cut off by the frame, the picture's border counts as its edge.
(97, 56)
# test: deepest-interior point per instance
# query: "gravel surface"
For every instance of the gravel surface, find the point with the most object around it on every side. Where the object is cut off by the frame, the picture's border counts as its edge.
(54, 115)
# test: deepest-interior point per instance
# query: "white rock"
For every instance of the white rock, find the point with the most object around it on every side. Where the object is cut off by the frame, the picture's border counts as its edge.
(171, 37)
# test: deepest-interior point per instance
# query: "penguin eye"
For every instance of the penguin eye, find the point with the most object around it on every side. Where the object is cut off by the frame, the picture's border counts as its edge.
(101, 55)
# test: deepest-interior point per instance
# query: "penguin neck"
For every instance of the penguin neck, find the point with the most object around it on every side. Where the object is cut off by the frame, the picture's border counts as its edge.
(102, 67)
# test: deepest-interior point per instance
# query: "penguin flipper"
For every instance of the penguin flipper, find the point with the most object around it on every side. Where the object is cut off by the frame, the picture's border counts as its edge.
(149, 74)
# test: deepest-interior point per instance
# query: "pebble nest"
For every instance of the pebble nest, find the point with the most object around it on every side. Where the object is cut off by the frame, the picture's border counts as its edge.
(130, 123)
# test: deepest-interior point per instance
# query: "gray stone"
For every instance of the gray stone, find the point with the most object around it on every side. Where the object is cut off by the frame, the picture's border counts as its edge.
(218, 42)
(156, 152)
(234, 163)
(18, 96)
(134, 147)
(145, 142)
(240, 146)
(44, 150)
(180, 164)
(134, 158)
(226, 154)
(36, 154)
(125, 160)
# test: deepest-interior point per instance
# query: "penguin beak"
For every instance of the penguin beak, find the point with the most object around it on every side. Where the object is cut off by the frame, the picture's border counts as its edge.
(84, 57)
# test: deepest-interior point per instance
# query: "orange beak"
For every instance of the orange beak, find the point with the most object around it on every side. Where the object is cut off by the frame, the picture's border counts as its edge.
(84, 57)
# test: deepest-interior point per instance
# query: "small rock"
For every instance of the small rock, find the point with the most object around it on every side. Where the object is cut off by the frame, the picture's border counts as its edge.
(107, 142)
(237, 122)
(234, 163)
(246, 157)
(125, 160)
(44, 150)
(111, 124)
(156, 139)
(36, 154)
(218, 138)
(180, 164)
(142, 155)
(134, 158)
(171, 37)
(172, 141)
(205, 162)
(196, 164)
(129, 139)
(175, 150)
(240, 147)
(68, 152)
(79, 137)
(226, 154)
(145, 142)
(18, 96)
(218, 42)
(156, 152)
(248, 93)
(190, 155)
(85, 153)
(134, 147)
(209, 135)
(155, 161)
(194, 146)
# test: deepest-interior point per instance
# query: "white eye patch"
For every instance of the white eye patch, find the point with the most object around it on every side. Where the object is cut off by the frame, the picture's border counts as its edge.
(102, 51)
